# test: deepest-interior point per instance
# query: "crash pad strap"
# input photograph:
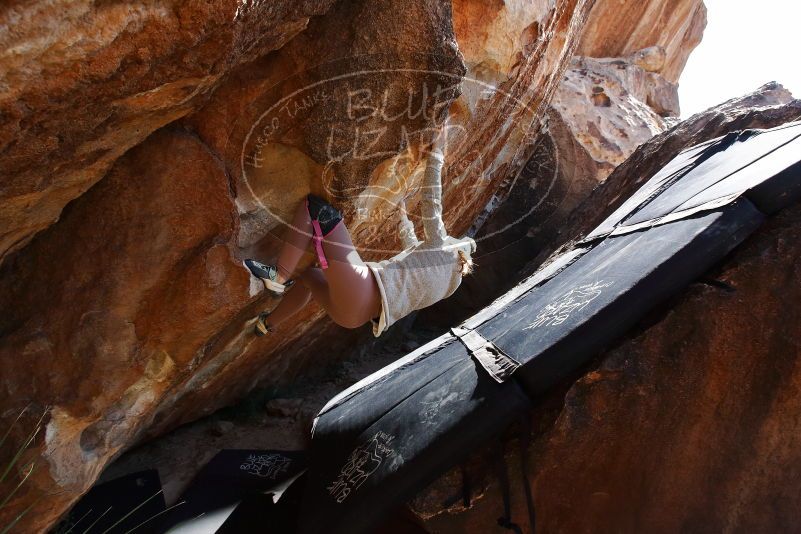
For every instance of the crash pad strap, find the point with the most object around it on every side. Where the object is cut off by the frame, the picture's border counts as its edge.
(498, 364)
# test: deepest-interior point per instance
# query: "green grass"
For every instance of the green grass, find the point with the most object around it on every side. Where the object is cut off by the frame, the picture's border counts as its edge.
(26, 471)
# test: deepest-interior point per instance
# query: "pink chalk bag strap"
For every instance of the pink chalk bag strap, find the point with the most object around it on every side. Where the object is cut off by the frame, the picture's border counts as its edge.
(324, 218)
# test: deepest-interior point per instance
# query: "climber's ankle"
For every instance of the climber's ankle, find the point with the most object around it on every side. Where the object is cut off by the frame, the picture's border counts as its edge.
(262, 327)
(283, 275)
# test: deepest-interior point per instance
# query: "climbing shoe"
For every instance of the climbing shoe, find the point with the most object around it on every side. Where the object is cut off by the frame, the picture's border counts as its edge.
(268, 275)
(262, 328)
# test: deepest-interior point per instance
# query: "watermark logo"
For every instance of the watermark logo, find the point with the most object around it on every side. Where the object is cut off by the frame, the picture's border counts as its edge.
(359, 137)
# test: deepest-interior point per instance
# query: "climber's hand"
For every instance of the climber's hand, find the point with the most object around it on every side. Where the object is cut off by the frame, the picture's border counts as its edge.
(439, 140)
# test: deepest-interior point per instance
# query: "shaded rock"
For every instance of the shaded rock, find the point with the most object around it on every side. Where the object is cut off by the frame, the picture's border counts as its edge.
(686, 419)
(663, 98)
(221, 428)
(287, 408)
(134, 313)
(410, 345)
(83, 82)
(138, 324)
(695, 416)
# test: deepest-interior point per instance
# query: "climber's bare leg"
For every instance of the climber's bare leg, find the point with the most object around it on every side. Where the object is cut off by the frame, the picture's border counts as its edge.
(352, 301)
(314, 279)
(294, 299)
(311, 282)
(347, 290)
(297, 240)
(353, 292)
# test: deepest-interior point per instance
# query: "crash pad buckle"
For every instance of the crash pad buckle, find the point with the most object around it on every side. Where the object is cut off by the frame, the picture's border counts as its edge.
(497, 363)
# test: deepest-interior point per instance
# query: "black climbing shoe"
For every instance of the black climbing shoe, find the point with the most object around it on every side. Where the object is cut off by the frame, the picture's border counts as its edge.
(268, 275)
(262, 328)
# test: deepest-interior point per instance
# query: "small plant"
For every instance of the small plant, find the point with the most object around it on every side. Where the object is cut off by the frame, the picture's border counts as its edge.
(68, 526)
(26, 470)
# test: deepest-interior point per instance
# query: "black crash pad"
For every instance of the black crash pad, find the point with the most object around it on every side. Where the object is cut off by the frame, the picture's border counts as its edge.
(377, 444)
(230, 477)
(383, 439)
(555, 328)
(119, 505)
(762, 165)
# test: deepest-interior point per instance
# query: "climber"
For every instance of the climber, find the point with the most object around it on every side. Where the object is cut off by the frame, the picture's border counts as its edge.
(353, 291)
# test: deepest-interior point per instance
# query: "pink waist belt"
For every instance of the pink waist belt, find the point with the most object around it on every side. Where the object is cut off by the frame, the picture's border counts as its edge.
(317, 237)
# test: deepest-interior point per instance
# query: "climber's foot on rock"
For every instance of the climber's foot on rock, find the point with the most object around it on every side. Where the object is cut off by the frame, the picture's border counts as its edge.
(269, 275)
(262, 328)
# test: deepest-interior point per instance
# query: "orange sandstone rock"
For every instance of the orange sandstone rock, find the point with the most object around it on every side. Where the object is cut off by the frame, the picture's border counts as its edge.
(133, 313)
(84, 82)
(620, 27)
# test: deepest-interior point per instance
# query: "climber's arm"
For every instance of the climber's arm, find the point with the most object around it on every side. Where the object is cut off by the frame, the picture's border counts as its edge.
(431, 197)
(406, 228)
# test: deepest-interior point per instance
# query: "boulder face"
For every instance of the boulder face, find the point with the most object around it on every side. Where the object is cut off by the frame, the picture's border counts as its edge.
(601, 112)
(133, 313)
(688, 417)
(768, 106)
(84, 81)
(695, 416)
(621, 27)
(610, 106)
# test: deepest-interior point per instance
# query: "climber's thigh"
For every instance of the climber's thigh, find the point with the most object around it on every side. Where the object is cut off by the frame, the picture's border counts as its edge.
(338, 246)
(354, 294)
(315, 281)
(353, 291)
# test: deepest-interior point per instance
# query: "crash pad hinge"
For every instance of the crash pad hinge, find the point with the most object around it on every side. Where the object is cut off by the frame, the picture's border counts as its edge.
(497, 363)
